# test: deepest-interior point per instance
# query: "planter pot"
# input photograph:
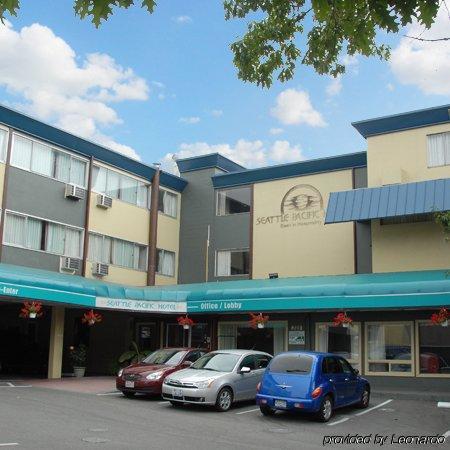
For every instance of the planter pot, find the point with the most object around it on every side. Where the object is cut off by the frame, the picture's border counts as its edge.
(260, 325)
(444, 323)
(32, 315)
(79, 371)
(186, 327)
(91, 322)
(346, 325)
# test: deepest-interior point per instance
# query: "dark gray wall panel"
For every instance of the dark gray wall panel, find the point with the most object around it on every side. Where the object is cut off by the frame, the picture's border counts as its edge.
(40, 196)
(360, 177)
(29, 258)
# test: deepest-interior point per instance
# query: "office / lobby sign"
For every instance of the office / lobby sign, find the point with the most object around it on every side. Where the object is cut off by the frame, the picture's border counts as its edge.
(140, 305)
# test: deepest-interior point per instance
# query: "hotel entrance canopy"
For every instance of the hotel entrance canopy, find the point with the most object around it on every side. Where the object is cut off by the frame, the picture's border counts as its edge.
(395, 200)
(425, 289)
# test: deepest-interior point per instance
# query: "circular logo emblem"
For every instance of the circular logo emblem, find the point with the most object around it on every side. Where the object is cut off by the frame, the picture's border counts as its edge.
(302, 197)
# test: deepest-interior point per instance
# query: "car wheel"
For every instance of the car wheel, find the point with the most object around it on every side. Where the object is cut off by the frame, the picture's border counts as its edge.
(224, 400)
(129, 394)
(266, 410)
(365, 398)
(176, 404)
(326, 409)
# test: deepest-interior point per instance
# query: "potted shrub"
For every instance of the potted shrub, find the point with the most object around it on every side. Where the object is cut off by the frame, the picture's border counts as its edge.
(342, 320)
(78, 355)
(258, 320)
(441, 318)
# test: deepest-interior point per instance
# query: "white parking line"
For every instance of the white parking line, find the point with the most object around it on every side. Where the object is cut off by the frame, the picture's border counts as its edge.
(9, 444)
(164, 402)
(374, 407)
(338, 422)
(443, 404)
(111, 393)
(248, 411)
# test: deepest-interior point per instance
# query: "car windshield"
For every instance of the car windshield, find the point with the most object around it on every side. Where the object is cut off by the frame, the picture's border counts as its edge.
(217, 362)
(291, 364)
(168, 357)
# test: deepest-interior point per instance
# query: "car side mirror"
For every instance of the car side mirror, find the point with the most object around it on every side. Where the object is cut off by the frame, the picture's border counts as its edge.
(356, 371)
(187, 363)
(245, 369)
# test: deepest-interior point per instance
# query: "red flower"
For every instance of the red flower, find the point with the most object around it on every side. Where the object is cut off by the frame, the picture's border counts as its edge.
(91, 318)
(33, 308)
(341, 319)
(440, 317)
(185, 321)
(256, 319)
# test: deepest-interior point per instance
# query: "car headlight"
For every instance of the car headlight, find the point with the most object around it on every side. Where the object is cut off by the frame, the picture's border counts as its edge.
(154, 375)
(119, 374)
(204, 384)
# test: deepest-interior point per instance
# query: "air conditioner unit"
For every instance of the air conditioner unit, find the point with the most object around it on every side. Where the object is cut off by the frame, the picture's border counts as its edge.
(103, 201)
(75, 192)
(100, 270)
(70, 264)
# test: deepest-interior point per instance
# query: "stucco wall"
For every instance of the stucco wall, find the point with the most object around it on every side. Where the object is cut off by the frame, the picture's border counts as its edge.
(120, 275)
(300, 246)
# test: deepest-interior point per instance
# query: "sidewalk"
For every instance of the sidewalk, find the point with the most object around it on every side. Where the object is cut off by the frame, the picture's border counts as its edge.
(409, 388)
(86, 385)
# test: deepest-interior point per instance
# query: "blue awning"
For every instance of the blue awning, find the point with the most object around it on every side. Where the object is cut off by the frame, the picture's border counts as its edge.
(395, 200)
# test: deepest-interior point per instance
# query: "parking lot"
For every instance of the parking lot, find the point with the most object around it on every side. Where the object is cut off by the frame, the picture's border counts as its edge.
(40, 418)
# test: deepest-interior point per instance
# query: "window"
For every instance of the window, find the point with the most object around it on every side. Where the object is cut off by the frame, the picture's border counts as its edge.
(3, 143)
(48, 161)
(167, 203)
(232, 262)
(331, 365)
(261, 361)
(233, 201)
(122, 187)
(108, 250)
(165, 263)
(413, 218)
(438, 149)
(248, 361)
(342, 341)
(291, 364)
(389, 348)
(434, 349)
(37, 234)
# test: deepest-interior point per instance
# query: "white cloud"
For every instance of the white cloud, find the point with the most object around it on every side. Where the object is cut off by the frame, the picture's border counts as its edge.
(351, 63)
(247, 153)
(293, 107)
(425, 65)
(275, 131)
(189, 120)
(334, 86)
(58, 86)
(217, 113)
(182, 19)
(390, 87)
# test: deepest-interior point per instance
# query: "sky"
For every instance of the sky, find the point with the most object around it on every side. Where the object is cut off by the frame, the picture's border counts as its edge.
(154, 86)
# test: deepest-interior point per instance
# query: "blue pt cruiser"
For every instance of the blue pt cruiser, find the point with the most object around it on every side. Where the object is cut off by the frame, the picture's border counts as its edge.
(311, 382)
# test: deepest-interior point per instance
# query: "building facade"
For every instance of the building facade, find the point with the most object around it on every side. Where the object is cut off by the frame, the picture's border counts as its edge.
(85, 227)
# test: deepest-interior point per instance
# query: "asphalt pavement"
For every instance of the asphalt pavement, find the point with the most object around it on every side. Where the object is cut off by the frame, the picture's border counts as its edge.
(39, 418)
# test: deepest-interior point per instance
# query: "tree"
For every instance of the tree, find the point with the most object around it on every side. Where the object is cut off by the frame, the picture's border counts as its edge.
(315, 33)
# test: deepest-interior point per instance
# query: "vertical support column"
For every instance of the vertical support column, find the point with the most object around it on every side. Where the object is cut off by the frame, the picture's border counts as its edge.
(56, 342)
(86, 218)
(355, 248)
(250, 238)
(151, 270)
(5, 189)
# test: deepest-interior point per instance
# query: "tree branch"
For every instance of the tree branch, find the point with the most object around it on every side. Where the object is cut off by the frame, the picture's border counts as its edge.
(428, 40)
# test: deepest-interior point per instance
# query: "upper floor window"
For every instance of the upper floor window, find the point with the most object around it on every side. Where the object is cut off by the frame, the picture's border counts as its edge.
(167, 203)
(3, 143)
(108, 250)
(123, 187)
(45, 160)
(165, 263)
(38, 234)
(233, 201)
(232, 262)
(438, 149)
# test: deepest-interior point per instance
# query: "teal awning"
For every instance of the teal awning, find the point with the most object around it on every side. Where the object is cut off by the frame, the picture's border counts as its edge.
(400, 290)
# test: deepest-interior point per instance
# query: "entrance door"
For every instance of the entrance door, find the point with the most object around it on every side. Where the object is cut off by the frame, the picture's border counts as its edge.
(259, 339)
(147, 336)
(197, 336)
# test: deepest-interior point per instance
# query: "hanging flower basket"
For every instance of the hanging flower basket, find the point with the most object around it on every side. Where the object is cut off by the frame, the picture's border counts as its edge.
(258, 320)
(441, 318)
(185, 321)
(31, 310)
(90, 318)
(342, 320)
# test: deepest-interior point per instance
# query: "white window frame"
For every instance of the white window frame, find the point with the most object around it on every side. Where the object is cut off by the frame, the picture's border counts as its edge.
(354, 324)
(417, 351)
(136, 244)
(3, 128)
(53, 148)
(43, 219)
(231, 250)
(166, 191)
(230, 189)
(446, 163)
(174, 263)
(411, 362)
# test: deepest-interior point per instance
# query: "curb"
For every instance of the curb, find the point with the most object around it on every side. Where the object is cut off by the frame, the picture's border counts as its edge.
(422, 396)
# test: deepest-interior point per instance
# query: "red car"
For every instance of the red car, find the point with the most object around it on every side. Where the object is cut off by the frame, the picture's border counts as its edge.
(147, 376)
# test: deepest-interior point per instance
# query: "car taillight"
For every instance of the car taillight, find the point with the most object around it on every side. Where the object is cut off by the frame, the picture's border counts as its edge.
(258, 386)
(316, 392)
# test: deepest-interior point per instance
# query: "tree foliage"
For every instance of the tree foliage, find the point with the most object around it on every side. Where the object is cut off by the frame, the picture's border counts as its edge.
(283, 33)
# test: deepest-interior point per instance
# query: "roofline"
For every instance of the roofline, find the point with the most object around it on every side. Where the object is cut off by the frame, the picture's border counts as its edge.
(167, 179)
(211, 154)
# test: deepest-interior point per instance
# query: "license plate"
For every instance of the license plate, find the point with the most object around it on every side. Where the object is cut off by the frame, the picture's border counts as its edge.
(129, 384)
(280, 404)
(177, 393)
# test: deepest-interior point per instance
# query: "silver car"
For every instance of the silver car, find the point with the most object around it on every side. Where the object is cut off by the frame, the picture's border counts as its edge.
(218, 378)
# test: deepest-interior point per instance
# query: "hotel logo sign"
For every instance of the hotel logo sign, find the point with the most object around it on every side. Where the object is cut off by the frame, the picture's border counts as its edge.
(301, 205)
